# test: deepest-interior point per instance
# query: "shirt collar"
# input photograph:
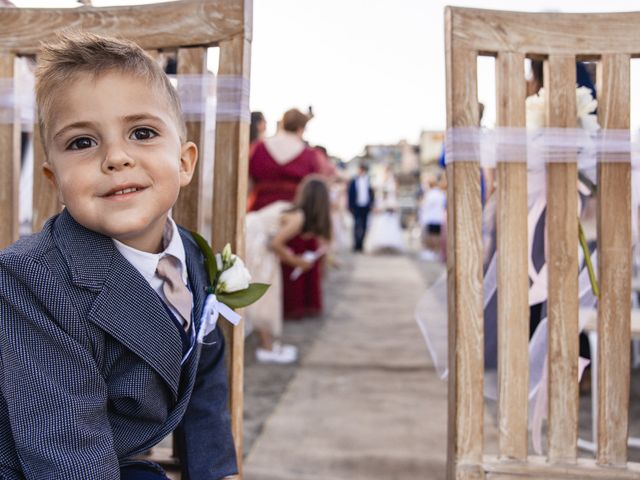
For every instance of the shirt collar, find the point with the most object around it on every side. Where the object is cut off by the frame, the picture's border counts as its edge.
(146, 263)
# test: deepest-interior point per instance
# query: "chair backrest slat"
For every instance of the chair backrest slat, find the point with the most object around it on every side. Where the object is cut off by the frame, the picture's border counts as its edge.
(614, 265)
(230, 196)
(513, 304)
(189, 210)
(45, 199)
(562, 261)
(10, 144)
(466, 397)
(466, 402)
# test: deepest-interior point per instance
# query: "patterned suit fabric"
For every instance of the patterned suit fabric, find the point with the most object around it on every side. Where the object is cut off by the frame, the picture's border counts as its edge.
(90, 363)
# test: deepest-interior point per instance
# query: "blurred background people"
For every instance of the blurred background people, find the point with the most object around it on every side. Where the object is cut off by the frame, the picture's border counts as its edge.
(274, 234)
(386, 231)
(257, 130)
(278, 164)
(306, 236)
(361, 198)
(339, 223)
(432, 212)
(325, 166)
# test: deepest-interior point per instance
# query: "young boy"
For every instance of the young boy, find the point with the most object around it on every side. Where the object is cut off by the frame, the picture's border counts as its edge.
(98, 311)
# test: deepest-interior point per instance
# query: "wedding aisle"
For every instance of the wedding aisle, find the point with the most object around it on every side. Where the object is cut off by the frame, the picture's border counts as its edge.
(365, 403)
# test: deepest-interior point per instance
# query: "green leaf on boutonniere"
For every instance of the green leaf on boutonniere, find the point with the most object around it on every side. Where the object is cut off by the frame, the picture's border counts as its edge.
(209, 258)
(245, 297)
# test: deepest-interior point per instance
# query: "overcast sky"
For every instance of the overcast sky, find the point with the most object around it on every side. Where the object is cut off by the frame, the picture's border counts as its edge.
(373, 70)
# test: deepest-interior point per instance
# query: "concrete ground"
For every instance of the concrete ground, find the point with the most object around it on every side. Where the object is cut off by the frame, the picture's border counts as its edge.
(364, 402)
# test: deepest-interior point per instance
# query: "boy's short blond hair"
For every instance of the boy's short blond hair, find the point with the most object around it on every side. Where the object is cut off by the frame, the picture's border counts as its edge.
(80, 52)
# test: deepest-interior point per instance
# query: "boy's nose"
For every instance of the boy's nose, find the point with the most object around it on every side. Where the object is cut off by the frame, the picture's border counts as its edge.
(117, 158)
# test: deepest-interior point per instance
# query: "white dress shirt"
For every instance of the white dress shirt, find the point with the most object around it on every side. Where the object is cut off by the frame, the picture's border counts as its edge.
(147, 263)
(362, 191)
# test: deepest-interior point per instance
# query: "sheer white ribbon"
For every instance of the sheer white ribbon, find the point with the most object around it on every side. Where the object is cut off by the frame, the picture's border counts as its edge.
(212, 310)
(538, 146)
(201, 97)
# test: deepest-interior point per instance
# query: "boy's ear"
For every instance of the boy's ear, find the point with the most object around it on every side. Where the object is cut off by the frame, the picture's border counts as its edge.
(47, 169)
(188, 161)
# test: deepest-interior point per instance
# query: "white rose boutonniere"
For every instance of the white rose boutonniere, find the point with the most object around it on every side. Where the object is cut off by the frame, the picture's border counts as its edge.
(229, 286)
(234, 278)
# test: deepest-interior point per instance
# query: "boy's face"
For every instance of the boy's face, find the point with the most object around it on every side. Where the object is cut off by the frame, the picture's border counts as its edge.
(115, 155)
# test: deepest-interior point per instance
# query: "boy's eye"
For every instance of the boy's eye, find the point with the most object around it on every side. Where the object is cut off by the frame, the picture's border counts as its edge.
(82, 143)
(143, 134)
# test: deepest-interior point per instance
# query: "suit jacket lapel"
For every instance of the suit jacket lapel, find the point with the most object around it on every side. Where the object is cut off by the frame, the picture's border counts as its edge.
(199, 283)
(131, 311)
(126, 307)
(197, 276)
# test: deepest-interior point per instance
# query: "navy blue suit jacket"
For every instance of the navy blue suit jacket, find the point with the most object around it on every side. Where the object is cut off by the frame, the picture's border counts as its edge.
(90, 363)
(353, 195)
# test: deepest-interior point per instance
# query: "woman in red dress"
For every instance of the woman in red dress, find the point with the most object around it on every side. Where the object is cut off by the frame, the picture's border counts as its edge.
(276, 166)
(279, 163)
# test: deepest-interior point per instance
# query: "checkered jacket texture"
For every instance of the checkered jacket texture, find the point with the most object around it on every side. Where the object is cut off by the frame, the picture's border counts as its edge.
(90, 363)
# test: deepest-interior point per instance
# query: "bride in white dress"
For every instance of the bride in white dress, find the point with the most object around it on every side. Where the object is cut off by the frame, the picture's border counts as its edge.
(386, 234)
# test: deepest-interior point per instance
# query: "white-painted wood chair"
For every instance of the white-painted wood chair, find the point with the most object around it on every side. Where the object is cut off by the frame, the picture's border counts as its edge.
(188, 27)
(559, 39)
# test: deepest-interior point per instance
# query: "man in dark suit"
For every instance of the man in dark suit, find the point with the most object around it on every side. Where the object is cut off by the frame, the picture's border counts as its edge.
(361, 199)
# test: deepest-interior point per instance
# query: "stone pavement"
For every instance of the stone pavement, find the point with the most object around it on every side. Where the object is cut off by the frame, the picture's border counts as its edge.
(365, 402)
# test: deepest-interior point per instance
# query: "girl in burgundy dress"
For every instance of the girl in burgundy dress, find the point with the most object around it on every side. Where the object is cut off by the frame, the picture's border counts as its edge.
(305, 229)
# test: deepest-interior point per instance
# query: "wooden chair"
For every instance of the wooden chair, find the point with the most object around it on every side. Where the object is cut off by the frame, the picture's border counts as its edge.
(591, 329)
(188, 27)
(559, 39)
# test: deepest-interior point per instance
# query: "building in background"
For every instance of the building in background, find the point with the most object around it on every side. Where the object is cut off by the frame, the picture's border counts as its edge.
(431, 144)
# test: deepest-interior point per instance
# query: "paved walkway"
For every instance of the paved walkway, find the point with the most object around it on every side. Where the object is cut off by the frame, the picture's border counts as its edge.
(365, 403)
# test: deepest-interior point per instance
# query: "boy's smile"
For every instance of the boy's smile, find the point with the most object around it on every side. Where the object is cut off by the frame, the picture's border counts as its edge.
(115, 155)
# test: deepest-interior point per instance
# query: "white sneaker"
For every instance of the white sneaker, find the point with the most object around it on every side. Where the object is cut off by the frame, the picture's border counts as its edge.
(281, 354)
(283, 347)
(428, 255)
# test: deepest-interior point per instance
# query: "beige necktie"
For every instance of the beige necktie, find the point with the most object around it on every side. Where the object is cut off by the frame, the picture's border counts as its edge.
(177, 294)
